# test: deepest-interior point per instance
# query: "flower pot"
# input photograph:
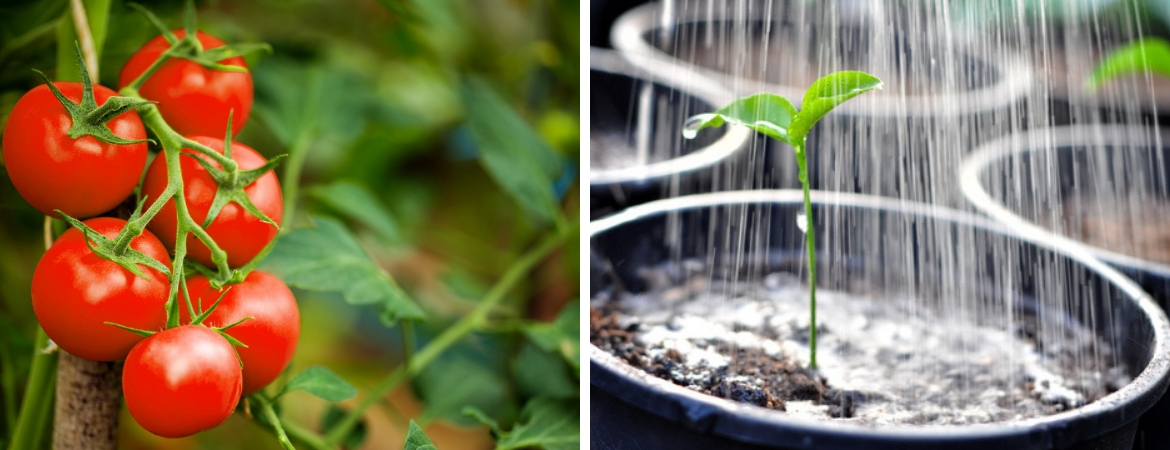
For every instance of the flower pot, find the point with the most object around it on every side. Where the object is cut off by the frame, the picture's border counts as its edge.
(941, 95)
(637, 150)
(1058, 179)
(880, 245)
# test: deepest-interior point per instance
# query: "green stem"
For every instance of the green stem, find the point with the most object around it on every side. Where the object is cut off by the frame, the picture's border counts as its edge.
(270, 415)
(290, 182)
(802, 165)
(307, 437)
(229, 165)
(407, 328)
(36, 411)
(137, 83)
(451, 335)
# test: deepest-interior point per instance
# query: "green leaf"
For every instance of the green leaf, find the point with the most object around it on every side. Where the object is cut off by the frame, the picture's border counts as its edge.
(416, 439)
(357, 202)
(356, 437)
(562, 336)
(328, 258)
(827, 93)
(1145, 55)
(541, 373)
(518, 160)
(465, 376)
(769, 114)
(545, 423)
(323, 383)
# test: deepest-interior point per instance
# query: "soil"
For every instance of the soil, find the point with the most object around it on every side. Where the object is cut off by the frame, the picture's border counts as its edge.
(883, 360)
(1145, 234)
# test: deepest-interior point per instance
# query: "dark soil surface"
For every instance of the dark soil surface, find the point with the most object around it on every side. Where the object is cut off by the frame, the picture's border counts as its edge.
(752, 376)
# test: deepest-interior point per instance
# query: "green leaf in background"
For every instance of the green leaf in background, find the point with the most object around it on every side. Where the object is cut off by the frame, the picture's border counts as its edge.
(98, 13)
(416, 439)
(827, 93)
(357, 202)
(464, 376)
(521, 163)
(1146, 55)
(541, 373)
(328, 258)
(561, 336)
(323, 383)
(769, 114)
(356, 437)
(545, 423)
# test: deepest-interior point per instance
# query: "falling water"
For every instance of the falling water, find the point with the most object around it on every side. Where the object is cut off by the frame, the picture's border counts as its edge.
(960, 76)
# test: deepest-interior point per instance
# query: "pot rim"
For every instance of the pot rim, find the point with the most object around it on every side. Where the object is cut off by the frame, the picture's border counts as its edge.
(978, 161)
(732, 141)
(1014, 83)
(1047, 431)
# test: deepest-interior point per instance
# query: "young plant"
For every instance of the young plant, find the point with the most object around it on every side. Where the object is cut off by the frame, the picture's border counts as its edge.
(1145, 55)
(775, 117)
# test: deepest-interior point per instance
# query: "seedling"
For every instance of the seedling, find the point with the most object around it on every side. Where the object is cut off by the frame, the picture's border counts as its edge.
(775, 117)
(1145, 55)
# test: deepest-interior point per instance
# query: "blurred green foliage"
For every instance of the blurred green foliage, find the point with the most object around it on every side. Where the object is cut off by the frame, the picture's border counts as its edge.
(440, 139)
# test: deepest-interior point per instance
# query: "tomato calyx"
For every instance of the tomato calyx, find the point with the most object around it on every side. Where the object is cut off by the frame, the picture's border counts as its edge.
(109, 249)
(196, 320)
(232, 182)
(190, 48)
(89, 119)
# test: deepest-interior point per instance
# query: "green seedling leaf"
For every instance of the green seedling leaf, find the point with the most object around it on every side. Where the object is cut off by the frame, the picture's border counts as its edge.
(518, 160)
(1146, 55)
(545, 423)
(355, 438)
(358, 203)
(769, 114)
(328, 258)
(562, 336)
(827, 93)
(323, 383)
(416, 439)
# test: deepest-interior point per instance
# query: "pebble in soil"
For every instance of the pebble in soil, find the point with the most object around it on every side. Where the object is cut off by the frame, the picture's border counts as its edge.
(879, 362)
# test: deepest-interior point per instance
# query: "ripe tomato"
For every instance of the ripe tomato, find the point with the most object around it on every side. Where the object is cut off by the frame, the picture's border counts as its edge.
(182, 381)
(236, 231)
(193, 98)
(271, 334)
(75, 291)
(83, 177)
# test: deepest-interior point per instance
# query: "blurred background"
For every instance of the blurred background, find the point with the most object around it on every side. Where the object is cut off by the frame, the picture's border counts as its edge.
(377, 93)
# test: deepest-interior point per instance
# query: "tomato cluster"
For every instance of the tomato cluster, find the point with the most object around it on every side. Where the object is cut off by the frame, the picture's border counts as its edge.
(102, 293)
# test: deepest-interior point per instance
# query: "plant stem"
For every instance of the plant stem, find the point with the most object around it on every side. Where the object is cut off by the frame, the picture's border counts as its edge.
(89, 396)
(290, 182)
(270, 415)
(37, 408)
(452, 334)
(407, 328)
(85, 35)
(306, 436)
(802, 165)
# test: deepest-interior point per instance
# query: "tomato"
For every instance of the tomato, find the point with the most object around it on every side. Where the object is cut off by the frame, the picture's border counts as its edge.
(82, 177)
(271, 334)
(236, 231)
(194, 99)
(75, 291)
(182, 381)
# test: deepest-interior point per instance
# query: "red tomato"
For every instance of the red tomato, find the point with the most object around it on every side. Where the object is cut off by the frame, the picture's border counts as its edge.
(237, 232)
(182, 381)
(83, 177)
(271, 334)
(74, 291)
(194, 99)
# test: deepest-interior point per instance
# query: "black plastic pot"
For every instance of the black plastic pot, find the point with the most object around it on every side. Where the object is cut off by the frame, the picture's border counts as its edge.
(902, 141)
(629, 109)
(1022, 180)
(877, 244)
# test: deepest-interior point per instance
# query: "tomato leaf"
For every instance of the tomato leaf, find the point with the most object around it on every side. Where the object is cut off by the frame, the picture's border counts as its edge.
(827, 93)
(521, 163)
(1145, 55)
(328, 258)
(323, 383)
(769, 114)
(357, 202)
(469, 374)
(416, 439)
(541, 373)
(562, 336)
(544, 423)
